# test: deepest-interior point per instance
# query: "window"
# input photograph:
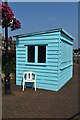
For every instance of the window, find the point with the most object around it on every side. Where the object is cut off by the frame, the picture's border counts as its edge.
(36, 54)
(41, 54)
(31, 53)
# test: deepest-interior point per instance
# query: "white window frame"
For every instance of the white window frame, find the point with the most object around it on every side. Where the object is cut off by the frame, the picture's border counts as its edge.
(36, 54)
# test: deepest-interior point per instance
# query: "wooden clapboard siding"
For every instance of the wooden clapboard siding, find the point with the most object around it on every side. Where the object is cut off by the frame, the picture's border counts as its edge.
(66, 60)
(65, 76)
(57, 70)
(47, 74)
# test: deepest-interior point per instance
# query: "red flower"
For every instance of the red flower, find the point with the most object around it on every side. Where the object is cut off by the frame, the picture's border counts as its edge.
(8, 17)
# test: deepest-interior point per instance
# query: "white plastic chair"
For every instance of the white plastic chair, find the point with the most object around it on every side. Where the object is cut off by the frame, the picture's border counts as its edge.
(29, 77)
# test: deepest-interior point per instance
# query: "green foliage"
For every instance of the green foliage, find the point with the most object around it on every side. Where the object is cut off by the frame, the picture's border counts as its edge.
(11, 61)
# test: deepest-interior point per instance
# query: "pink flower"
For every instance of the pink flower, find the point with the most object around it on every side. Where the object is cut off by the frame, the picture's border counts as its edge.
(9, 18)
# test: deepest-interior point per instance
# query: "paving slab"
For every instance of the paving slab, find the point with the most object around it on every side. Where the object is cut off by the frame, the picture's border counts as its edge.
(42, 103)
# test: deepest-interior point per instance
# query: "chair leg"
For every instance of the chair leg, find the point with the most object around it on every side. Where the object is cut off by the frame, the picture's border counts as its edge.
(32, 85)
(35, 86)
(23, 85)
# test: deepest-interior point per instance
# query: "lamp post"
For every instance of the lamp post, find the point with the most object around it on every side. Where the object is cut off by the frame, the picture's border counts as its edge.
(7, 72)
(8, 20)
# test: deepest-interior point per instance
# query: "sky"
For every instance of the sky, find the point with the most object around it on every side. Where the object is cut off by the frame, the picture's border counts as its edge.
(42, 16)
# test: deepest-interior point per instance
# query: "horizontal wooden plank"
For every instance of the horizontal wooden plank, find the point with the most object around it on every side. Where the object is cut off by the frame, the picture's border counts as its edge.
(47, 82)
(65, 73)
(66, 40)
(48, 64)
(53, 44)
(47, 86)
(52, 48)
(20, 48)
(53, 61)
(37, 67)
(53, 87)
(66, 61)
(51, 82)
(49, 34)
(37, 70)
(65, 70)
(45, 34)
(20, 62)
(52, 56)
(39, 37)
(65, 79)
(63, 83)
(53, 73)
(21, 59)
(21, 55)
(20, 52)
(52, 52)
(62, 79)
(47, 77)
(44, 74)
(49, 52)
(68, 73)
(49, 58)
(42, 80)
(53, 69)
(39, 75)
(43, 86)
(67, 37)
(46, 40)
(38, 42)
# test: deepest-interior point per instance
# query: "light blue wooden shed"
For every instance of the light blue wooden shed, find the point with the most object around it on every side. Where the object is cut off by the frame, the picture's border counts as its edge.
(49, 54)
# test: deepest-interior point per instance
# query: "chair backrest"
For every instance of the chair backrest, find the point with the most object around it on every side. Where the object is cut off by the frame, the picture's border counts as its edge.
(29, 75)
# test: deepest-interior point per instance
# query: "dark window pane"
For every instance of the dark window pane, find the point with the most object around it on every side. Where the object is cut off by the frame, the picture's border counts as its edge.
(31, 53)
(41, 54)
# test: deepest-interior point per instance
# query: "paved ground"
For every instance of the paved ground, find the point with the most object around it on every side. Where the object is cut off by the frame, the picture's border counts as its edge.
(42, 103)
